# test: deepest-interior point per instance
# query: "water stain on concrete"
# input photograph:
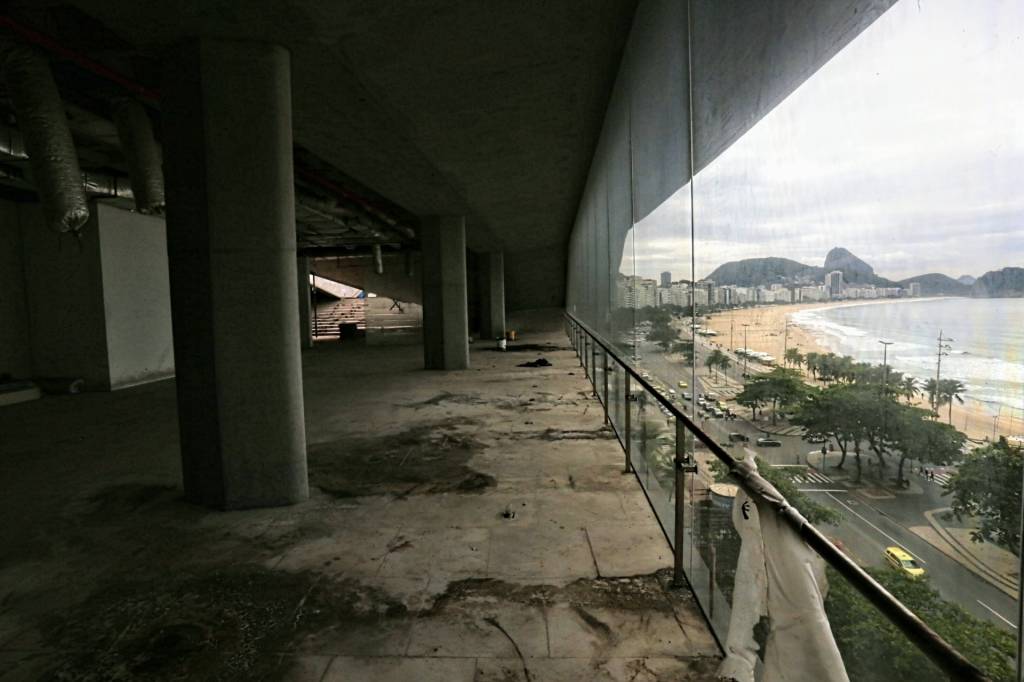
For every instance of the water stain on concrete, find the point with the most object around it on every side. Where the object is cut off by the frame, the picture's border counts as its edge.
(422, 460)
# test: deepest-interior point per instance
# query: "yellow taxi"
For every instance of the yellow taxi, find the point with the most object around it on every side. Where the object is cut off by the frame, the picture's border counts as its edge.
(683, 384)
(901, 560)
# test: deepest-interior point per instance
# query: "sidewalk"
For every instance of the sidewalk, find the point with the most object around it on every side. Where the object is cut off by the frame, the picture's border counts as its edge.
(993, 563)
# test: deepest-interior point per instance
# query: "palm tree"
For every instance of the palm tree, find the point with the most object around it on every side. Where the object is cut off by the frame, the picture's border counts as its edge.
(945, 391)
(813, 363)
(716, 360)
(952, 389)
(909, 388)
(794, 356)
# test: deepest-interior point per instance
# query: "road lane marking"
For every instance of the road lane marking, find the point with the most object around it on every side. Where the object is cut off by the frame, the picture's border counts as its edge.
(821, 490)
(894, 540)
(996, 613)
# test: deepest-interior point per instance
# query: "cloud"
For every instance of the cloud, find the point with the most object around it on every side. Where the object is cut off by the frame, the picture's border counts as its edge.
(907, 148)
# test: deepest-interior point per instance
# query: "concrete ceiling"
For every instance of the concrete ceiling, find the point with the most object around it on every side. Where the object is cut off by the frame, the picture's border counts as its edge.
(489, 109)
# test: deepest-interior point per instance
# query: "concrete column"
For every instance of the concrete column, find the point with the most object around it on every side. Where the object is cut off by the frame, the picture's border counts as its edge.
(445, 317)
(305, 305)
(492, 295)
(231, 246)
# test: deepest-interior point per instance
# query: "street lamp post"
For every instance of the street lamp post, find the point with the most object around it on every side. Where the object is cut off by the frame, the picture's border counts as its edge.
(785, 342)
(746, 349)
(943, 347)
(885, 385)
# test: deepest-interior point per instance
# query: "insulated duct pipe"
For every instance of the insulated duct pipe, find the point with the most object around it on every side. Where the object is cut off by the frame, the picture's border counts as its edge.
(378, 260)
(106, 185)
(44, 126)
(143, 154)
(98, 183)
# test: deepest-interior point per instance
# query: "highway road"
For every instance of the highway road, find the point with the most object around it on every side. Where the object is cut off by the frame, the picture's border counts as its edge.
(869, 524)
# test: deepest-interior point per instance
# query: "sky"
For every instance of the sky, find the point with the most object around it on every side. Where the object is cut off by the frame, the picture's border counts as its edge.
(907, 148)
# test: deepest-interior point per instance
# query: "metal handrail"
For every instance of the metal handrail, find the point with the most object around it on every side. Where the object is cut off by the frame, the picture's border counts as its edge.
(948, 659)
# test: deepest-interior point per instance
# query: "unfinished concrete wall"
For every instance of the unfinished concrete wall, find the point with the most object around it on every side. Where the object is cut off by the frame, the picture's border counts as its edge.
(528, 280)
(64, 284)
(99, 306)
(136, 296)
(15, 345)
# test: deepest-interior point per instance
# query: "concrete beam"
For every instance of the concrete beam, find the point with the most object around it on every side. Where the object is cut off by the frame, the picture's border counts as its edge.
(445, 312)
(231, 246)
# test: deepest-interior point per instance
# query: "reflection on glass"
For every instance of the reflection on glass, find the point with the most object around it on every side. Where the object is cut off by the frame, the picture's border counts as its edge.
(839, 293)
(863, 319)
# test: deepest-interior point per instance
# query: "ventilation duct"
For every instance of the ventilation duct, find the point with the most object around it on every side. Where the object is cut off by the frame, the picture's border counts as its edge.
(97, 183)
(44, 127)
(107, 185)
(141, 151)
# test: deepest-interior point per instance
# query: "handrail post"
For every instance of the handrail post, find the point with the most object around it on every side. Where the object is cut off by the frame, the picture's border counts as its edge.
(948, 659)
(605, 373)
(683, 466)
(593, 367)
(583, 356)
(628, 439)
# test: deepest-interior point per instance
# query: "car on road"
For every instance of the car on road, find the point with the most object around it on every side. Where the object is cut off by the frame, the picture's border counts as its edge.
(683, 384)
(769, 443)
(687, 396)
(739, 438)
(900, 559)
(814, 438)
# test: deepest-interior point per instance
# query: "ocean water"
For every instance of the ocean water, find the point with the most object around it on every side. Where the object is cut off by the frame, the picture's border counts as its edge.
(987, 352)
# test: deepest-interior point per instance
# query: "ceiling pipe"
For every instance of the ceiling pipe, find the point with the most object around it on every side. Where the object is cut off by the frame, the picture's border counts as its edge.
(31, 35)
(143, 154)
(47, 138)
(107, 185)
(152, 96)
(96, 183)
(45, 42)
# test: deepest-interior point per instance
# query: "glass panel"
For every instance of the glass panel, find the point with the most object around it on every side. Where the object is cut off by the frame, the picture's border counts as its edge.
(654, 446)
(842, 239)
(616, 397)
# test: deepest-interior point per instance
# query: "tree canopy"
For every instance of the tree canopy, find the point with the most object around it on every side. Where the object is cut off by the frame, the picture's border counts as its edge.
(987, 486)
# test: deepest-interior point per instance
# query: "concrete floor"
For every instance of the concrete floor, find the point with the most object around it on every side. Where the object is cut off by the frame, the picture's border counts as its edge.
(463, 526)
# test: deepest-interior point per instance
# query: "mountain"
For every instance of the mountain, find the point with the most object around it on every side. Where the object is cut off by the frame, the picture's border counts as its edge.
(854, 269)
(753, 271)
(1005, 283)
(937, 284)
(1008, 282)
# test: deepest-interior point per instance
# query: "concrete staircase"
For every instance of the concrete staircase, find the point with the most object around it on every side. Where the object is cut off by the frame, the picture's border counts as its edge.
(332, 313)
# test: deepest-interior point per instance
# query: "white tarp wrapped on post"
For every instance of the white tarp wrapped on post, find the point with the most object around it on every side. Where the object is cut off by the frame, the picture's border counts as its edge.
(778, 576)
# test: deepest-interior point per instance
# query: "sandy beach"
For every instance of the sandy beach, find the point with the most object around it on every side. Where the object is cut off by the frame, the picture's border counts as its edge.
(765, 329)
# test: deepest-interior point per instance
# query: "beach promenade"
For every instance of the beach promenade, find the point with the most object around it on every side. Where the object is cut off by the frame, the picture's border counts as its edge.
(764, 328)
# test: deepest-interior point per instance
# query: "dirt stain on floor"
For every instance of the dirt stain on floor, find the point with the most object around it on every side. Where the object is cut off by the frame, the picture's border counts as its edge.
(235, 622)
(422, 460)
(230, 624)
